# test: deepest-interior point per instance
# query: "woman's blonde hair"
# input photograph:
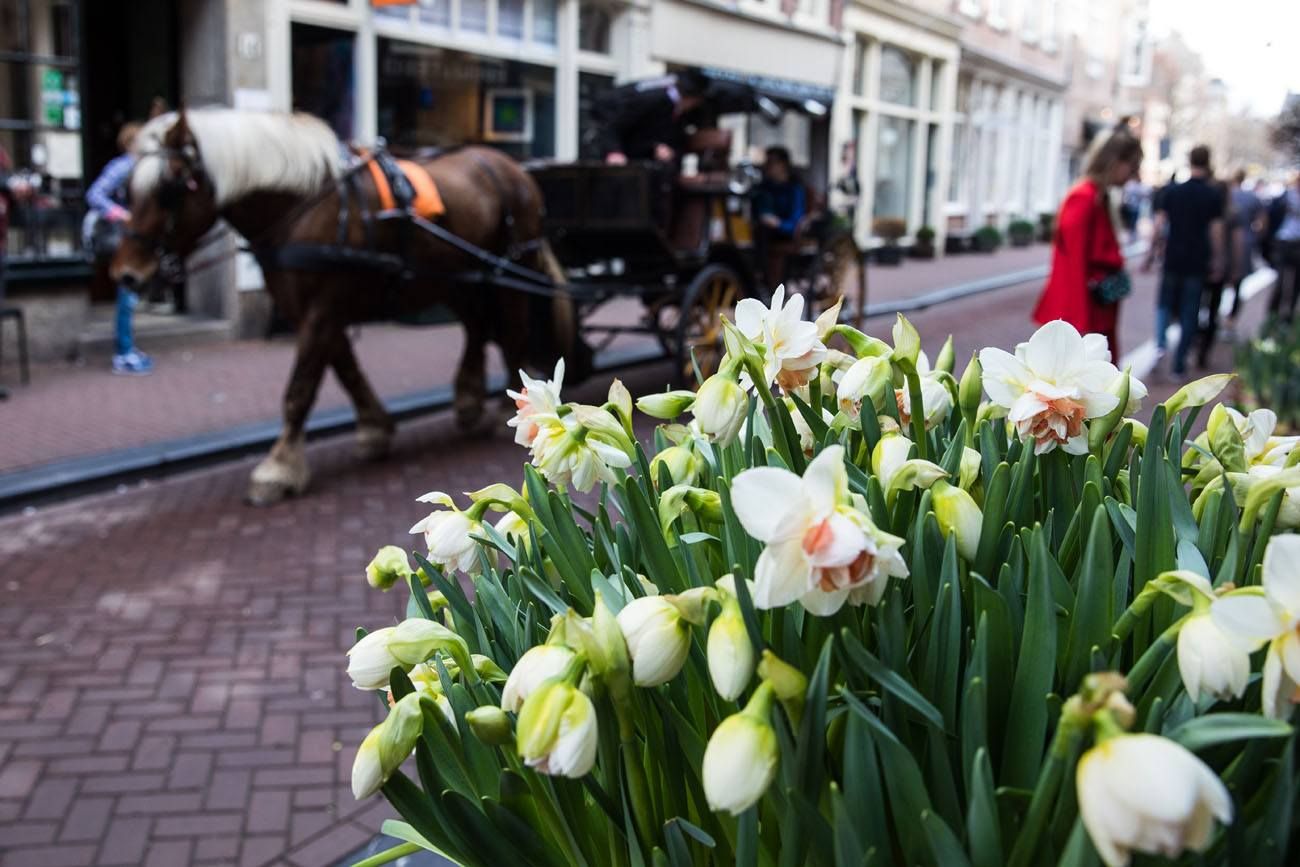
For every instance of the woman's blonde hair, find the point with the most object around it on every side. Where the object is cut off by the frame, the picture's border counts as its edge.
(1119, 146)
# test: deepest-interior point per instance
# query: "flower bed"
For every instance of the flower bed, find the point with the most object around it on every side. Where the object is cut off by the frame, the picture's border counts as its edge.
(849, 608)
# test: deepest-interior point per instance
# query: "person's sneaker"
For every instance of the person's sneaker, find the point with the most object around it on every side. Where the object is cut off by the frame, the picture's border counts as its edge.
(133, 363)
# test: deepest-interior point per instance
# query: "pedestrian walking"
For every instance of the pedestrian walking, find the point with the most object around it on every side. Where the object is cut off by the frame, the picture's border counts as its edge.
(1189, 239)
(1285, 249)
(7, 201)
(1246, 220)
(1087, 280)
(102, 231)
(1215, 284)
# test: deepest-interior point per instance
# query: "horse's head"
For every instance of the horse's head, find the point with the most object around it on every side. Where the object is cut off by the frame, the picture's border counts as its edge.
(173, 202)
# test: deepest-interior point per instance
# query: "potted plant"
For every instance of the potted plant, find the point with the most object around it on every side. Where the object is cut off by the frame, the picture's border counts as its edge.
(881, 608)
(1046, 227)
(1021, 233)
(889, 230)
(923, 245)
(987, 239)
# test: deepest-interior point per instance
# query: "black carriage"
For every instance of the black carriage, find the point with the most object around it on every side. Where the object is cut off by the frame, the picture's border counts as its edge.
(684, 245)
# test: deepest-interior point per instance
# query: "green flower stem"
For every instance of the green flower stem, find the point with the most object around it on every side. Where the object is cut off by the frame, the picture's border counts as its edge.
(1065, 745)
(918, 410)
(1135, 612)
(638, 787)
(1150, 661)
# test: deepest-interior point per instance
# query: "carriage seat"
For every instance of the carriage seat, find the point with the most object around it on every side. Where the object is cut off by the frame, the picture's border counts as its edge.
(406, 186)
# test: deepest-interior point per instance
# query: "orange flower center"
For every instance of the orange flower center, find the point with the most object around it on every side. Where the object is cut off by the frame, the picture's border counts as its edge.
(817, 538)
(1060, 422)
(843, 577)
(904, 416)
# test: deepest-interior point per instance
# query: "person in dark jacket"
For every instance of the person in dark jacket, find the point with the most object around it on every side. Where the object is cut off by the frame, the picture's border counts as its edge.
(779, 207)
(647, 120)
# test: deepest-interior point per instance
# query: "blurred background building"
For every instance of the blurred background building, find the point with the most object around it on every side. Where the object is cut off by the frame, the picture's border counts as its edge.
(947, 114)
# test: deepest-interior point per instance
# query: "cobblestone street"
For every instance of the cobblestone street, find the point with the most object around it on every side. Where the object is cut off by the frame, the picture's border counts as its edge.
(173, 669)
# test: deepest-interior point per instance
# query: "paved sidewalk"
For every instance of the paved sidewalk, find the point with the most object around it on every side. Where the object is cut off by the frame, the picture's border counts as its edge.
(78, 410)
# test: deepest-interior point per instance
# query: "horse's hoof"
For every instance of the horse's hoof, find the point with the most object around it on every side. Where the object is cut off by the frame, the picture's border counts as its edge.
(374, 444)
(269, 493)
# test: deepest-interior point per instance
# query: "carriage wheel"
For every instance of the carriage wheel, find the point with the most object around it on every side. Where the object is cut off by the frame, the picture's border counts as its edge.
(840, 272)
(710, 296)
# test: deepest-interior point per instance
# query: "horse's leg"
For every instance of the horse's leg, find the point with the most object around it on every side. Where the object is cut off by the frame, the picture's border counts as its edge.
(284, 471)
(374, 424)
(471, 375)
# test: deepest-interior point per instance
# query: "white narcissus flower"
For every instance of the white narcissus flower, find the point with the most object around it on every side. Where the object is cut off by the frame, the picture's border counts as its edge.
(1288, 515)
(386, 746)
(867, 379)
(1273, 617)
(935, 396)
(1052, 385)
(448, 534)
(414, 640)
(369, 660)
(658, 639)
(537, 398)
(511, 524)
(1257, 436)
(741, 757)
(820, 550)
(720, 408)
(1210, 661)
(580, 449)
(1145, 793)
(730, 652)
(556, 732)
(792, 348)
(537, 665)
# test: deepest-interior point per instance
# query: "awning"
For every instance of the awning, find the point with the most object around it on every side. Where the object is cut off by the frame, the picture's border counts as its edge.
(810, 98)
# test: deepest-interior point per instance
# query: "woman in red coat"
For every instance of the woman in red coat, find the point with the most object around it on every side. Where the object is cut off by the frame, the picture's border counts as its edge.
(1086, 246)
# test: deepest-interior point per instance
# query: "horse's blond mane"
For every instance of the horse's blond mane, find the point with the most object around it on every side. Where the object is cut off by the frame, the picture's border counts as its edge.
(244, 152)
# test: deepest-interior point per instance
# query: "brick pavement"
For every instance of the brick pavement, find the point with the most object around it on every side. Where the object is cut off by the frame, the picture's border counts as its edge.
(172, 685)
(74, 410)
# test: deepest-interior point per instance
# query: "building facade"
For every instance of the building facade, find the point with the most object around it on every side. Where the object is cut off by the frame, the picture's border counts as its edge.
(1008, 156)
(895, 118)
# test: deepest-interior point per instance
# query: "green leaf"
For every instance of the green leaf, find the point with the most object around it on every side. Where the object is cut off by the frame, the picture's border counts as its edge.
(1022, 750)
(1092, 616)
(982, 826)
(1219, 728)
(943, 842)
(860, 659)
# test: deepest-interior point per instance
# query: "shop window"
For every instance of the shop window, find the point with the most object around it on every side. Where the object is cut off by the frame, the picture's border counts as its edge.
(393, 10)
(936, 85)
(544, 21)
(322, 76)
(436, 13)
(437, 97)
(590, 87)
(860, 67)
(40, 126)
(893, 182)
(897, 76)
(473, 15)
(510, 19)
(594, 23)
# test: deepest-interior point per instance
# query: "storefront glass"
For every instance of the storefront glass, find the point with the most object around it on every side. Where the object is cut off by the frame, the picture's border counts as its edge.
(436, 97)
(40, 126)
(323, 77)
(893, 167)
(544, 21)
(510, 19)
(473, 16)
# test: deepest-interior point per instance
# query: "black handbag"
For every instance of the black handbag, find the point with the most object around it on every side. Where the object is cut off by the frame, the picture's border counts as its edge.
(1114, 287)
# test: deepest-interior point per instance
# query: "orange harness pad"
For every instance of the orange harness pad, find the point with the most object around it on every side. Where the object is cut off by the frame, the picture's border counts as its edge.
(428, 201)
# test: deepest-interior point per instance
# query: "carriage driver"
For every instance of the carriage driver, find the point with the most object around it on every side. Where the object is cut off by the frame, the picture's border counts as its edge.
(647, 120)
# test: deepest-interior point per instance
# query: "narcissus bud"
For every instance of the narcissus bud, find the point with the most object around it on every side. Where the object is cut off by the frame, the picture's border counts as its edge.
(907, 343)
(869, 379)
(720, 408)
(490, 725)
(788, 682)
(620, 399)
(658, 639)
(388, 567)
(667, 405)
(415, 640)
(958, 516)
(741, 757)
(730, 652)
(556, 732)
(970, 390)
(387, 746)
(680, 461)
(537, 665)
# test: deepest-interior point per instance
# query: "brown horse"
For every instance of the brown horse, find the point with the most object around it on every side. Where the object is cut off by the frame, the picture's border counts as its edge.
(274, 179)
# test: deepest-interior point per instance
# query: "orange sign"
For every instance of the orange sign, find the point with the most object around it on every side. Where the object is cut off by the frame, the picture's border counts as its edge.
(392, 2)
